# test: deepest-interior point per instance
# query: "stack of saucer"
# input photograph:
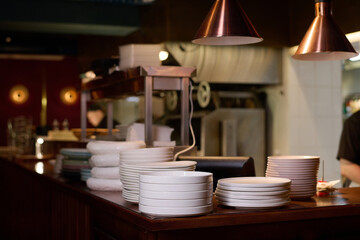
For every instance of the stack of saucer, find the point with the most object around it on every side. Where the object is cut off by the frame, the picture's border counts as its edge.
(130, 173)
(73, 161)
(254, 192)
(175, 193)
(302, 170)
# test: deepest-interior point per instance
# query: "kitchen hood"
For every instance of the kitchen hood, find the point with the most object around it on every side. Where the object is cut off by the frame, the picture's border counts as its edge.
(229, 64)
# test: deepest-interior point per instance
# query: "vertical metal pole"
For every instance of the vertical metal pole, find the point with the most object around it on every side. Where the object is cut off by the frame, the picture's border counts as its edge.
(110, 117)
(148, 110)
(185, 111)
(83, 110)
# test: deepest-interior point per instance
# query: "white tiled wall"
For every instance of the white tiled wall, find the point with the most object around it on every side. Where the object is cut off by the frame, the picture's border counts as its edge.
(310, 119)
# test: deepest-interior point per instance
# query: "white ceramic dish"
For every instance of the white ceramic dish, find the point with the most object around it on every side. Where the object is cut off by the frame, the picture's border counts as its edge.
(250, 189)
(293, 177)
(160, 165)
(176, 195)
(112, 147)
(176, 187)
(149, 151)
(273, 200)
(253, 204)
(255, 182)
(237, 195)
(175, 202)
(150, 156)
(108, 160)
(176, 177)
(294, 157)
(175, 212)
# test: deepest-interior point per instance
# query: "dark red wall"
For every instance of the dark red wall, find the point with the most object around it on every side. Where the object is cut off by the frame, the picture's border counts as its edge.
(31, 73)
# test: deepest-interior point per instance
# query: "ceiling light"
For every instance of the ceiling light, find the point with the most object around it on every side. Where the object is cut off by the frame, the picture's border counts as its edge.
(226, 24)
(324, 40)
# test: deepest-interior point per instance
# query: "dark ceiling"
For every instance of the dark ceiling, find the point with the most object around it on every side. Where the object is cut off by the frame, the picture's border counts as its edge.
(95, 28)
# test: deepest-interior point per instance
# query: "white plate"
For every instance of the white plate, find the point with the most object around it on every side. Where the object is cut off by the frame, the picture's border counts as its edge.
(112, 147)
(133, 158)
(255, 182)
(266, 190)
(239, 195)
(175, 212)
(252, 204)
(293, 170)
(176, 177)
(175, 202)
(292, 177)
(176, 195)
(259, 193)
(294, 157)
(176, 187)
(159, 165)
(221, 198)
(149, 151)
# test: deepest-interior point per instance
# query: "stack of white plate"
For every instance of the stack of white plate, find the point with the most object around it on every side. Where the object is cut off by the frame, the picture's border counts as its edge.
(155, 154)
(130, 173)
(302, 170)
(176, 193)
(254, 192)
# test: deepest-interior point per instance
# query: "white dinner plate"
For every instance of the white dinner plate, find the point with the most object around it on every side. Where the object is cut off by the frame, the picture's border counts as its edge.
(267, 190)
(176, 187)
(294, 157)
(255, 182)
(239, 195)
(177, 203)
(253, 204)
(176, 195)
(149, 151)
(175, 212)
(160, 165)
(176, 177)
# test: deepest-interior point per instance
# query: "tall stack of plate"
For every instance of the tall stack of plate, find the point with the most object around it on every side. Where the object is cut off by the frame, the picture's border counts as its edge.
(74, 160)
(130, 173)
(302, 170)
(176, 193)
(145, 155)
(253, 192)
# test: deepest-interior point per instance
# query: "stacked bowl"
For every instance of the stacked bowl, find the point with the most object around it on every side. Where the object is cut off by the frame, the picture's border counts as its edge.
(302, 170)
(74, 161)
(105, 160)
(176, 193)
(253, 192)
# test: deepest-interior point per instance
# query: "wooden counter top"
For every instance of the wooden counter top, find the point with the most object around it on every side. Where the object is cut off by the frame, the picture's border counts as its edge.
(108, 213)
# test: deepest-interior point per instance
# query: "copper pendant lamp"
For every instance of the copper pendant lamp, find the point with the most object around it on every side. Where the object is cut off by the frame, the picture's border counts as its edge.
(324, 40)
(226, 24)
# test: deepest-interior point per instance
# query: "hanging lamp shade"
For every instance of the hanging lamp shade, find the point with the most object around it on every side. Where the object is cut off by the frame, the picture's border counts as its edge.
(324, 39)
(226, 24)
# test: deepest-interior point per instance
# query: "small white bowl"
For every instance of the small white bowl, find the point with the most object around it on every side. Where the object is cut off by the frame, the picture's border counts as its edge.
(176, 195)
(176, 203)
(176, 187)
(176, 177)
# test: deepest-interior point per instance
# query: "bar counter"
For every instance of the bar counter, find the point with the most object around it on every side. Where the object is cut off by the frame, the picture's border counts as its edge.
(49, 206)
